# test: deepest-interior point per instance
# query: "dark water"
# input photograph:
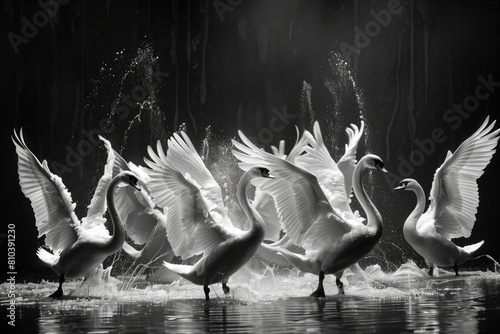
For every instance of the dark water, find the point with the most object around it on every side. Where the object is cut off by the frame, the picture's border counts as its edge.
(405, 301)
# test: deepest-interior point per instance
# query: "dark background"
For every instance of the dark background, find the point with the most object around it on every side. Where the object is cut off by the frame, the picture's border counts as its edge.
(228, 65)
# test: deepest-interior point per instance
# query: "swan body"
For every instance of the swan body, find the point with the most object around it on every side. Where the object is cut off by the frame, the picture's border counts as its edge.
(78, 247)
(316, 217)
(198, 221)
(453, 202)
(145, 223)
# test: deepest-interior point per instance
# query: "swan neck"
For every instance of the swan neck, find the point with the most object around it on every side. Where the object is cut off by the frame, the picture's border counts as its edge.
(118, 235)
(374, 219)
(419, 208)
(256, 223)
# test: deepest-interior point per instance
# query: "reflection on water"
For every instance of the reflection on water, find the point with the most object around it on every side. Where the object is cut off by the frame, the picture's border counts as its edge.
(403, 301)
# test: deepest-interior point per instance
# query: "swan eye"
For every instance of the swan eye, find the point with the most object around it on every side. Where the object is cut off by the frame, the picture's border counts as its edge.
(264, 172)
(379, 164)
(133, 181)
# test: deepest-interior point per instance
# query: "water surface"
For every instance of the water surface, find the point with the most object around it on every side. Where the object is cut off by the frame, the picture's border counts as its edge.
(404, 301)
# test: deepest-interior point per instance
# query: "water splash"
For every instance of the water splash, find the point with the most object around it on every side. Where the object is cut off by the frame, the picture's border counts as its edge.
(307, 114)
(256, 286)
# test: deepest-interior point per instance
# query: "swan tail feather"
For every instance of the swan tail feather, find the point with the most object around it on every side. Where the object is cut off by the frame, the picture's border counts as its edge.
(299, 261)
(48, 258)
(131, 251)
(181, 269)
(472, 249)
(272, 254)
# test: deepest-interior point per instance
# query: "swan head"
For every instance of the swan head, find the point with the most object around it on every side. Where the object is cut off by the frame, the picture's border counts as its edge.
(374, 162)
(259, 172)
(407, 184)
(130, 179)
(258, 176)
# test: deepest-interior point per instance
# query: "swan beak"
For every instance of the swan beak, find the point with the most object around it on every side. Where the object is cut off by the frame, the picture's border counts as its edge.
(382, 169)
(270, 176)
(135, 184)
(400, 187)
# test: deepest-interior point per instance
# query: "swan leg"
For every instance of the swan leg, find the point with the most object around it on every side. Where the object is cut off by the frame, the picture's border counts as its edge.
(431, 271)
(320, 291)
(340, 286)
(225, 288)
(59, 292)
(207, 291)
(455, 267)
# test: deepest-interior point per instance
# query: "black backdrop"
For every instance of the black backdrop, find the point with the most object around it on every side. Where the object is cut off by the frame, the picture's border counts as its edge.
(149, 66)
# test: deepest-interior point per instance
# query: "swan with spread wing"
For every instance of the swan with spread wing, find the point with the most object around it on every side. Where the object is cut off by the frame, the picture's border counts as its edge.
(454, 199)
(316, 215)
(346, 165)
(78, 246)
(198, 222)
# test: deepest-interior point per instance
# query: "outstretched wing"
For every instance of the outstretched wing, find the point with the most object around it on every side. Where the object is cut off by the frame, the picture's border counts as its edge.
(303, 209)
(264, 203)
(98, 204)
(183, 157)
(348, 161)
(318, 161)
(51, 201)
(189, 223)
(454, 194)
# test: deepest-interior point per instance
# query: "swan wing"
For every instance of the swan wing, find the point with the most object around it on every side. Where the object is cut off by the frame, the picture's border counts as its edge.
(298, 148)
(183, 157)
(137, 209)
(187, 230)
(51, 201)
(348, 161)
(454, 194)
(98, 203)
(318, 161)
(303, 208)
(264, 203)
(138, 214)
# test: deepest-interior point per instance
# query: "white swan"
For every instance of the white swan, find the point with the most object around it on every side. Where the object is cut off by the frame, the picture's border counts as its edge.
(198, 221)
(316, 217)
(145, 224)
(346, 165)
(454, 199)
(78, 247)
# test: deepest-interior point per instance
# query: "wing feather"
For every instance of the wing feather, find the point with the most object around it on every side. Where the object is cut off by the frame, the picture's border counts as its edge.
(318, 161)
(348, 161)
(98, 205)
(183, 157)
(50, 200)
(137, 209)
(298, 197)
(454, 194)
(187, 231)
